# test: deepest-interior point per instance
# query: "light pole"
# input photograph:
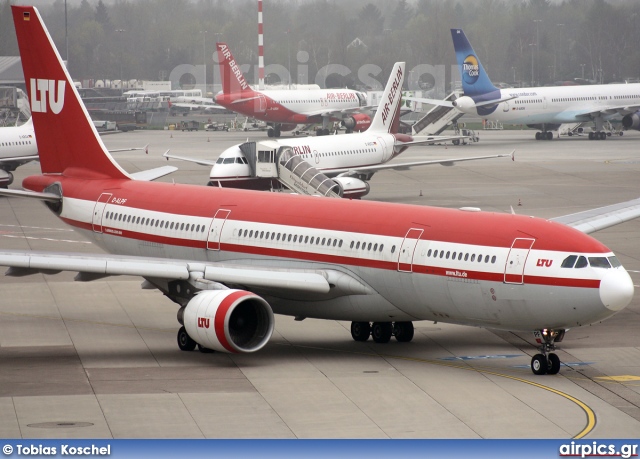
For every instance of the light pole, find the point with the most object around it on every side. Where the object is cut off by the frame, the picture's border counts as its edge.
(582, 65)
(288, 32)
(532, 79)
(537, 21)
(204, 58)
(120, 31)
(555, 54)
(66, 36)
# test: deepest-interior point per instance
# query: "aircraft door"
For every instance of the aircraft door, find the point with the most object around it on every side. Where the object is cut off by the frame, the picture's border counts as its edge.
(407, 250)
(98, 211)
(215, 230)
(505, 106)
(514, 267)
(262, 104)
(544, 103)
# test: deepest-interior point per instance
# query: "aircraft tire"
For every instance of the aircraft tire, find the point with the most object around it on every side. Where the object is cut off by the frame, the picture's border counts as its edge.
(549, 135)
(185, 342)
(591, 135)
(360, 331)
(539, 364)
(538, 135)
(270, 132)
(404, 331)
(205, 350)
(381, 332)
(603, 135)
(554, 364)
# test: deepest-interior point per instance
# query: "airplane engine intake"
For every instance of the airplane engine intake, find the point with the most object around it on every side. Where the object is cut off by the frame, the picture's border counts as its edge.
(351, 187)
(631, 121)
(464, 103)
(233, 321)
(358, 122)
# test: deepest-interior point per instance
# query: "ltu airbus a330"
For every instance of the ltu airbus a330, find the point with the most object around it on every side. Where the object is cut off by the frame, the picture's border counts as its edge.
(231, 258)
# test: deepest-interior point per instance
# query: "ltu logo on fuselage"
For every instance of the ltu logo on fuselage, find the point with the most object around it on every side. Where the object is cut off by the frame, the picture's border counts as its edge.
(470, 69)
(39, 90)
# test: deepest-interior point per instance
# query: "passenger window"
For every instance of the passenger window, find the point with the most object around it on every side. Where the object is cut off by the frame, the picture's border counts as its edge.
(375, 247)
(429, 253)
(261, 234)
(569, 261)
(289, 238)
(582, 263)
(351, 246)
(486, 258)
(335, 241)
(393, 249)
(453, 256)
(473, 257)
(493, 259)
(295, 238)
(181, 226)
(381, 247)
(251, 233)
(171, 225)
(466, 257)
(435, 254)
(441, 253)
(448, 253)
(358, 245)
(460, 256)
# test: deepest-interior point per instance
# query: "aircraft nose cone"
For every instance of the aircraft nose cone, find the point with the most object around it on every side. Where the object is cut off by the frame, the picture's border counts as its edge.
(616, 289)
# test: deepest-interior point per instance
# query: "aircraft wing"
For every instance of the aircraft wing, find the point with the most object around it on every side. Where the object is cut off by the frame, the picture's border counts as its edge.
(608, 111)
(117, 150)
(443, 103)
(593, 220)
(200, 274)
(202, 162)
(196, 106)
(19, 159)
(338, 114)
(406, 166)
(429, 140)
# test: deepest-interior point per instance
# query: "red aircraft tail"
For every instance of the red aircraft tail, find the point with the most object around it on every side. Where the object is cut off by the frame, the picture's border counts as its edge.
(232, 78)
(67, 139)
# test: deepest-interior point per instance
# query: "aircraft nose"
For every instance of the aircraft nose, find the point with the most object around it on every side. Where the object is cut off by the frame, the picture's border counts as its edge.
(616, 289)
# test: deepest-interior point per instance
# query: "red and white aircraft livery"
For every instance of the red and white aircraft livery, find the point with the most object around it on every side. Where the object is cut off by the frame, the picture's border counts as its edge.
(231, 258)
(284, 109)
(350, 160)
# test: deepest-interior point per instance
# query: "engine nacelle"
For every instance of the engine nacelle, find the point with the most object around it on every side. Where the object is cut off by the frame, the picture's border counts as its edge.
(631, 121)
(358, 122)
(464, 103)
(6, 178)
(351, 187)
(234, 321)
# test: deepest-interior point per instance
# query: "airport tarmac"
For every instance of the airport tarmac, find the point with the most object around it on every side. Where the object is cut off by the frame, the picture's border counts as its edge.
(100, 359)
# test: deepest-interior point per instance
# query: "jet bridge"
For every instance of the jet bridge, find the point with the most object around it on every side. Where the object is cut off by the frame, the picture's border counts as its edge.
(437, 119)
(271, 160)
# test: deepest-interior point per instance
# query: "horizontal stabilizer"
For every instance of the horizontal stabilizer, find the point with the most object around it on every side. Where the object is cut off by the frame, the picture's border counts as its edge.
(152, 174)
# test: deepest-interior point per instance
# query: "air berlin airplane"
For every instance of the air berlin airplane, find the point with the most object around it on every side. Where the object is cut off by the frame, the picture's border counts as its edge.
(284, 109)
(350, 160)
(231, 258)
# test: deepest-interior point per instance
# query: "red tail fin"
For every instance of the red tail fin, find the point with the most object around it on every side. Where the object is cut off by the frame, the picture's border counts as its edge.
(232, 79)
(67, 139)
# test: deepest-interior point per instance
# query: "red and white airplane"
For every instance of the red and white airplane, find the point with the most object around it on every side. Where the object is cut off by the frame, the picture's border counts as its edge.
(349, 160)
(231, 258)
(284, 109)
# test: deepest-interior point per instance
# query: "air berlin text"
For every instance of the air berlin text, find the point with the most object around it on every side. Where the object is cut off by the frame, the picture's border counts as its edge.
(234, 67)
(392, 94)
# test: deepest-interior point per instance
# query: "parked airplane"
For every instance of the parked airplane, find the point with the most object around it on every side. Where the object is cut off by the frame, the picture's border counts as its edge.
(231, 258)
(544, 108)
(17, 147)
(350, 160)
(285, 109)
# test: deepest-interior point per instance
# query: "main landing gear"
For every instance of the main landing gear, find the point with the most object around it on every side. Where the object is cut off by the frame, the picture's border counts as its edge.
(547, 362)
(382, 331)
(544, 135)
(186, 343)
(273, 131)
(599, 135)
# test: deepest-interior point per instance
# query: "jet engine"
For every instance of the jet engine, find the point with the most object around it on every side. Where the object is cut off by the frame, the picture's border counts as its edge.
(358, 122)
(464, 103)
(631, 121)
(351, 187)
(6, 178)
(234, 321)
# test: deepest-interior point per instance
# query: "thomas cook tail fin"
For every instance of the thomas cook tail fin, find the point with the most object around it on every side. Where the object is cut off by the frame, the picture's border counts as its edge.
(68, 142)
(232, 78)
(475, 81)
(387, 117)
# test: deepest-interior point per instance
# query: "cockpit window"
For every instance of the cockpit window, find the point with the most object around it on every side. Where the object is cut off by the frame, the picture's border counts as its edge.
(229, 160)
(599, 262)
(615, 262)
(569, 261)
(220, 160)
(582, 263)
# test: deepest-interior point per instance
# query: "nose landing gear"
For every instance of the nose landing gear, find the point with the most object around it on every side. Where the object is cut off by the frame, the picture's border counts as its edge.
(546, 362)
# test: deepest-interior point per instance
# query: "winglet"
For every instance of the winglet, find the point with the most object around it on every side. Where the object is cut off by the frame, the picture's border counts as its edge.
(67, 139)
(475, 81)
(232, 78)
(387, 117)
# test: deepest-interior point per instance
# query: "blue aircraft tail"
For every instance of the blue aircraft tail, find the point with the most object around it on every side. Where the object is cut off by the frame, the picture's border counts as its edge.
(475, 81)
